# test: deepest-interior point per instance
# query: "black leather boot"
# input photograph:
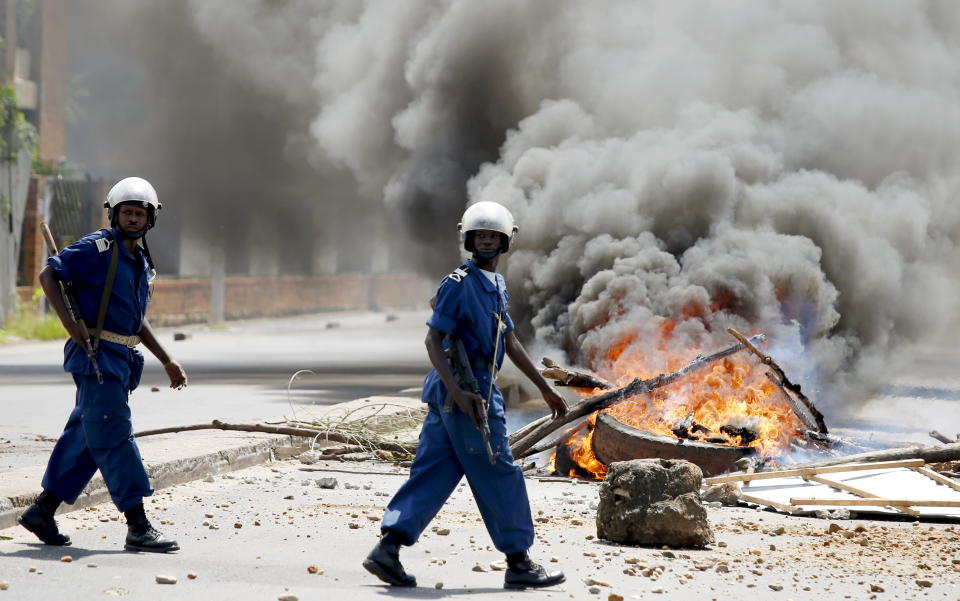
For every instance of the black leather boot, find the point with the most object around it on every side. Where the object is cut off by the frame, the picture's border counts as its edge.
(38, 518)
(141, 536)
(524, 573)
(384, 563)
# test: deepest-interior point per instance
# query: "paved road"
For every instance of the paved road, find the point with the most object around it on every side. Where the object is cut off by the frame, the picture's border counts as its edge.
(252, 535)
(236, 373)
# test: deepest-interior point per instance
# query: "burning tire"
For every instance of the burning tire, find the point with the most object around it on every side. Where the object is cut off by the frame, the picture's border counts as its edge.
(614, 441)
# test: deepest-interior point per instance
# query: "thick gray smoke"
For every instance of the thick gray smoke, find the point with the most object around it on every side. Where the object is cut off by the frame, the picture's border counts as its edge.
(680, 167)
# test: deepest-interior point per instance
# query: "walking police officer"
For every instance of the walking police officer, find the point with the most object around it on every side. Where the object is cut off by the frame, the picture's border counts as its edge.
(471, 304)
(109, 272)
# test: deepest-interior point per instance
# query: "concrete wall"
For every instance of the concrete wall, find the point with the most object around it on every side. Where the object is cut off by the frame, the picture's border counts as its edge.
(184, 301)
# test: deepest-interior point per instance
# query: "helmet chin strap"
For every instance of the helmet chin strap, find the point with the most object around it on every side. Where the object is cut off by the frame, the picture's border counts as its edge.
(135, 235)
(487, 256)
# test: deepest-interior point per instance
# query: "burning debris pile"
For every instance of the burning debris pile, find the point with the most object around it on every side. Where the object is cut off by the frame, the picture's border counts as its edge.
(713, 411)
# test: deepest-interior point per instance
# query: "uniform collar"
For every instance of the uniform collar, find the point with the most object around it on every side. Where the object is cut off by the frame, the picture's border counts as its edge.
(118, 239)
(487, 284)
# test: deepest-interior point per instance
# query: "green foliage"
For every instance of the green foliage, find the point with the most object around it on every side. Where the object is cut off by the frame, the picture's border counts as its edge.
(26, 322)
(67, 169)
(16, 133)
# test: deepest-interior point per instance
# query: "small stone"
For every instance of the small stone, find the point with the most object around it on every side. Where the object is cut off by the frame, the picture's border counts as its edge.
(326, 483)
(594, 589)
(834, 528)
(191, 576)
(32, 569)
(775, 587)
(592, 581)
(312, 569)
(166, 579)
(924, 583)
(669, 554)
(723, 569)
(614, 597)
(443, 531)
(721, 544)
(288, 598)
(353, 525)
(116, 591)
(4, 585)
(237, 525)
(479, 568)
(91, 565)
(554, 559)
(438, 585)
(208, 515)
(576, 522)
(66, 558)
(209, 478)
(309, 457)
(658, 591)
(498, 566)
(876, 588)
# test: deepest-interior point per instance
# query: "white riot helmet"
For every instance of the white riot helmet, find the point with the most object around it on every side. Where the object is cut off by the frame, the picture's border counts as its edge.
(486, 215)
(133, 190)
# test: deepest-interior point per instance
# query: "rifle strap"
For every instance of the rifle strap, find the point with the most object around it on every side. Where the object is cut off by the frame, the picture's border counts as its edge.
(105, 297)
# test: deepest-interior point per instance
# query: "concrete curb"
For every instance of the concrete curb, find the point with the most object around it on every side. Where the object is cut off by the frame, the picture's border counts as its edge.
(162, 474)
(198, 454)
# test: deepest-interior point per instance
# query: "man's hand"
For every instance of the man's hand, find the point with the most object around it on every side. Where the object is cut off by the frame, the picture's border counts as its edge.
(78, 332)
(470, 403)
(178, 377)
(558, 407)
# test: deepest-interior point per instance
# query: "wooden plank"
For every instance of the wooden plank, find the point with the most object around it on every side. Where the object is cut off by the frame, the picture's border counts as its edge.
(761, 501)
(929, 473)
(811, 471)
(857, 491)
(875, 502)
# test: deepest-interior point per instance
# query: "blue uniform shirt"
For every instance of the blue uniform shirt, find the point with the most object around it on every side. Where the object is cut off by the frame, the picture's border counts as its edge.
(467, 306)
(85, 264)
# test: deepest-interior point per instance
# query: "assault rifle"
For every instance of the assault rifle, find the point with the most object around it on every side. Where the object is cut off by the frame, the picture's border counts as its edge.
(460, 362)
(73, 307)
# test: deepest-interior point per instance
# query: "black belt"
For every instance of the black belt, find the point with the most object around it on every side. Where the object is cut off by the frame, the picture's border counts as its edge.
(478, 365)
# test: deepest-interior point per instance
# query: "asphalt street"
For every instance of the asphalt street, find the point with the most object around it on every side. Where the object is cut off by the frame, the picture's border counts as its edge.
(238, 372)
(269, 531)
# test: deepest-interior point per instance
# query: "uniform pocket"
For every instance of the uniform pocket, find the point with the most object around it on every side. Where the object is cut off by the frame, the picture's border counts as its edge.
(106, 428)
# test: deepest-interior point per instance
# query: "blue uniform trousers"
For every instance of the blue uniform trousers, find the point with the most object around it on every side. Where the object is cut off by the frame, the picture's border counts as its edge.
(450, 446)
(98, 435)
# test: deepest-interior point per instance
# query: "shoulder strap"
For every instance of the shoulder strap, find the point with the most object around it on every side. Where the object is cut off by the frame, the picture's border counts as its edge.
(105, 297)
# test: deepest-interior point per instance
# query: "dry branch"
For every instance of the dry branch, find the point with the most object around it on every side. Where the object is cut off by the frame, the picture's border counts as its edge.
(811, 471)
(537, 430)
(562, 376)
(940, 437)
(285, 430)
(938, 454)
(801, 405)
(875, 502)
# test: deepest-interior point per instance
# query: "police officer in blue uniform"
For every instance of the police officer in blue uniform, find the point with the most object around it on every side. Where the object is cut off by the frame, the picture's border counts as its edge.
(99, 433)
(471, 304)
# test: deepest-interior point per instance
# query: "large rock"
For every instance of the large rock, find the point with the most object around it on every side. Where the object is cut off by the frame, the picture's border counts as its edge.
(653, 502)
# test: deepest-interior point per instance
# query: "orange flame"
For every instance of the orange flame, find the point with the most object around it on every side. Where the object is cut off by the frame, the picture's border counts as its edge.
(732, 402)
